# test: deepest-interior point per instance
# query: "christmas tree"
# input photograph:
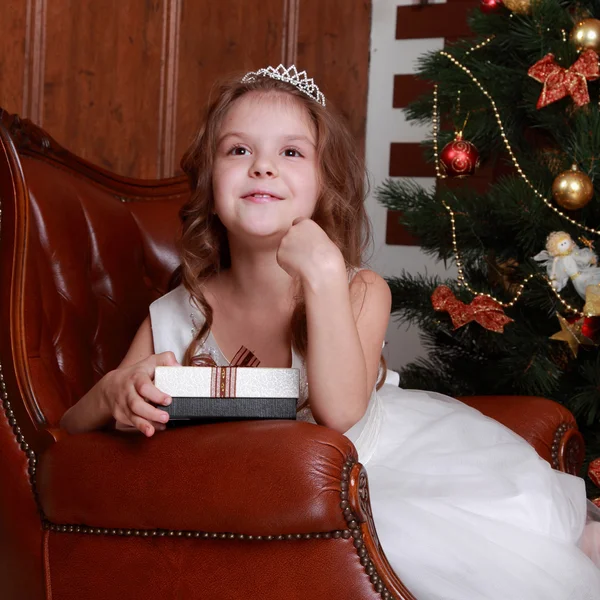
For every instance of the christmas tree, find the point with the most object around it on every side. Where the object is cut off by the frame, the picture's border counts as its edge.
(521, 97)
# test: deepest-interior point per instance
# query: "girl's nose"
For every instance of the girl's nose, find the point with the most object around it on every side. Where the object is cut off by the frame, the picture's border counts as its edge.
(263, 167)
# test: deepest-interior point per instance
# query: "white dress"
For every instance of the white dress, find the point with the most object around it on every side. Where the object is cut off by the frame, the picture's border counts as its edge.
(464, 508)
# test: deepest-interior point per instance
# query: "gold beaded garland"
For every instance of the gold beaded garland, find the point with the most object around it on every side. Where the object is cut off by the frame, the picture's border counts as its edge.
(509, 149)
(463, 282)
(436, 125)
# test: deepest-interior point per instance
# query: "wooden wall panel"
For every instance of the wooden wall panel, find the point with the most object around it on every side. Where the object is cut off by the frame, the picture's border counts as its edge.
(333, 46)
(102, 80)
(216, 40)
(124, 84)
(13, 24)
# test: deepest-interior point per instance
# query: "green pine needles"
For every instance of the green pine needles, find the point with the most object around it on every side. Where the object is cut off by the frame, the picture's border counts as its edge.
(500, 231)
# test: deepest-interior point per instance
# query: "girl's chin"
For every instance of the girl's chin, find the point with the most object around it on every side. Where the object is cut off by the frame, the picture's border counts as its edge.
(264, 227)
(261, 233)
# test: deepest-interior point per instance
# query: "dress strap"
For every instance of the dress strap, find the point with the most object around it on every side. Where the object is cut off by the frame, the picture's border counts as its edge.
(171, 318)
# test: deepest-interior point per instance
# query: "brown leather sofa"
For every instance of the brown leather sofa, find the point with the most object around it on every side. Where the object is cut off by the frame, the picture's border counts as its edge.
(254, 510)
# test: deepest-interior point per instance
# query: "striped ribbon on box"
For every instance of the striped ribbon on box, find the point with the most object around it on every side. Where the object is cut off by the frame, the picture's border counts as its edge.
(223, 379)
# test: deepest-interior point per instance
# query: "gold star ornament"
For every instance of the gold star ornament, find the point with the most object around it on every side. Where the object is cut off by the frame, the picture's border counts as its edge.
(571, 333)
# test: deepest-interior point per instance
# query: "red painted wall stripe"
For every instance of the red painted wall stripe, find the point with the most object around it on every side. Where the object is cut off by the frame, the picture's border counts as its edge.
(433, 20)
(406, 160)
(407, 88)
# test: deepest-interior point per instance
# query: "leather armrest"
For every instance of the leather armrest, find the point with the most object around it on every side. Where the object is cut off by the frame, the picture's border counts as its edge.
(256, 478)
(547, 425)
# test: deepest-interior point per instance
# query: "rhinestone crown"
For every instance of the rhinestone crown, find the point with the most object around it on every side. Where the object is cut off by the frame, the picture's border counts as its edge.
(290, 75)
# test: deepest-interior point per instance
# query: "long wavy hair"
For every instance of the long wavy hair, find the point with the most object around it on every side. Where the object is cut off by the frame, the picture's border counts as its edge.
(339, 211)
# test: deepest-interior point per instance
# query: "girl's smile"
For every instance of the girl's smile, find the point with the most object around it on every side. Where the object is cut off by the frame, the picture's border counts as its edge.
(262, 196)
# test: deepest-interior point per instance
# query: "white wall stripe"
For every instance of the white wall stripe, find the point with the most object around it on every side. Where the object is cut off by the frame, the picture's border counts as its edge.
(385, 125)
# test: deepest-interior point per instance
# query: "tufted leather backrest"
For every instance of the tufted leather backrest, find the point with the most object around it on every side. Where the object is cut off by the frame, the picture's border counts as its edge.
(93, 267)
(96, 255)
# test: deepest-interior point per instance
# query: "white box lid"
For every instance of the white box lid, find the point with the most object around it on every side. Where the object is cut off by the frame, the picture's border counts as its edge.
(237, 382)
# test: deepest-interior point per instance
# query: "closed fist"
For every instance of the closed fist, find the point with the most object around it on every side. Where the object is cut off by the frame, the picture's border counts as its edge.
(306, 251)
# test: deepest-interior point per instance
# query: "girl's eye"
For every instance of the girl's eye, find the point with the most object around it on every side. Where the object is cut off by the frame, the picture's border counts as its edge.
(239, 151)
(292, 153)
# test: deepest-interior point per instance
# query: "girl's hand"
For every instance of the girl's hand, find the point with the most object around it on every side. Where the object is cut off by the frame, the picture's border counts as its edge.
(307, 252)
(128, 391)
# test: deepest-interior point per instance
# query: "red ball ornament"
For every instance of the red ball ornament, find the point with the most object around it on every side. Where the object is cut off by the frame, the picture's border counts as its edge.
(490, 6)
(590, 328)
(459, 158)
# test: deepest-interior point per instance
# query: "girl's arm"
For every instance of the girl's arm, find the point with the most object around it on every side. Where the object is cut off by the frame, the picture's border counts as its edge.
(346, 328)
(121, 394)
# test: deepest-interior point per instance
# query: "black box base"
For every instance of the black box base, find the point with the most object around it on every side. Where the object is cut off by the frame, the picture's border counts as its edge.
(230, 409)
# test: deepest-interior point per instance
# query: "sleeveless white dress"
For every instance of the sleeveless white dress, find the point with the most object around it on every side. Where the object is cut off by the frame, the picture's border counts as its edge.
(465, 509)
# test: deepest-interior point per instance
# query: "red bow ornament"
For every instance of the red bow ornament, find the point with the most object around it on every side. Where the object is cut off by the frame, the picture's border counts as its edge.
(487, 312)
(559, 82)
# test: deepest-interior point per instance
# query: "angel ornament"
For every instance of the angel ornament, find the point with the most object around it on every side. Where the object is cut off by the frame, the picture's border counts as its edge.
(565, 260)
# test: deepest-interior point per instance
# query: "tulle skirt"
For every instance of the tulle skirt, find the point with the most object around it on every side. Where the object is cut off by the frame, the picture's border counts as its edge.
(465, 509)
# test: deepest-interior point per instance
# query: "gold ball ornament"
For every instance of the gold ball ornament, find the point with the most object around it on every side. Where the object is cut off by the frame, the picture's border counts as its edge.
(521, 7)
(572, 189)
(586, 35)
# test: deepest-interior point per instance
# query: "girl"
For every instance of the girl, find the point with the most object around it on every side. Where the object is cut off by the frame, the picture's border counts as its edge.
(270, 259)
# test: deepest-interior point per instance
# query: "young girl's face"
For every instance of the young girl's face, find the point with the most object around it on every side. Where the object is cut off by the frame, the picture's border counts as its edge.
(265, 169)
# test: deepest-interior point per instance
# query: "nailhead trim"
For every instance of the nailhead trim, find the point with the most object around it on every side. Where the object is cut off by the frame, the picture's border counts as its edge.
(12, 421)
(356, 531)
(337, 534)
(562, 429)
(24, 446)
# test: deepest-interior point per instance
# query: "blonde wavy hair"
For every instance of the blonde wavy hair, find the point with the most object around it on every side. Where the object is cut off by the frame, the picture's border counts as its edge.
(340, 211)
(555, 238)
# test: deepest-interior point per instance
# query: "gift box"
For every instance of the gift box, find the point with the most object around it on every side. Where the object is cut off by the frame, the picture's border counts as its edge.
(229, 393)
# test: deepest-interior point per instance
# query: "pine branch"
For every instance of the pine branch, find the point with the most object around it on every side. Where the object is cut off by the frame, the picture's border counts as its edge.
(499, 232)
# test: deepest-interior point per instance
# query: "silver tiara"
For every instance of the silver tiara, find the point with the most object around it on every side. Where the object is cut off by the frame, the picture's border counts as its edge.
(290, 75)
